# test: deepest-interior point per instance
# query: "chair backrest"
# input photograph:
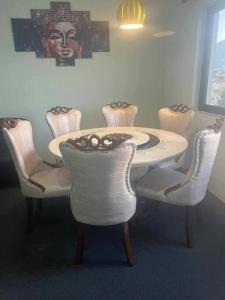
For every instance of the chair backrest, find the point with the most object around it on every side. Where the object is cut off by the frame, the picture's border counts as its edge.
(119, 114)
(194, 186)
(200, 121)
(62, 120)
(19, 138)
(176, 118)
(101, 193)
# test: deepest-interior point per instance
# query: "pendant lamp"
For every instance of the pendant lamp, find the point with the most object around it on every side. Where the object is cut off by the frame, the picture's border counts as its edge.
(131, 14)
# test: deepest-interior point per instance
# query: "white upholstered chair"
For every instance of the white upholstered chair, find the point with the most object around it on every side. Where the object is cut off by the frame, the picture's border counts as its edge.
(101, 193)
(174, 187)
(62, 120)
(38, 179)
(119, 114)
(122, 114)
(200, 121)
(175, 118)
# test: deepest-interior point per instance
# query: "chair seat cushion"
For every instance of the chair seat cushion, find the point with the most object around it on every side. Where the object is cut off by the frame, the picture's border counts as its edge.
(42, 166)
(56, 181)
(157, 181)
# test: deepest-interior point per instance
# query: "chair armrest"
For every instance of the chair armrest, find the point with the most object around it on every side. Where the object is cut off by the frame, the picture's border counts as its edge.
(172, 188)
(41, 187)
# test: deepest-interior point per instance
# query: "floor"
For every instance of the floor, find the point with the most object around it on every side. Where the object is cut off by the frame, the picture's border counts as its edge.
(40, 265)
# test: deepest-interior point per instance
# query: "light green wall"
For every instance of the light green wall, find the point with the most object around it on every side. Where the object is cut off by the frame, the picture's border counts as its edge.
(138, 69)
(182, 61)
(129, 72)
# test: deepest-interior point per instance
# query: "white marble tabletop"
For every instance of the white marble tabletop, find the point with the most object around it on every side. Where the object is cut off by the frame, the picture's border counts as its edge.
(154, 145)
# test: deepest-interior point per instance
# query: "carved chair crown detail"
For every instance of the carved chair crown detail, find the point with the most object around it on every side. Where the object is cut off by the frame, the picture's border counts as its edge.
(57, 110)
(179, 108)
(119, 104)
(217, 125)
(9, 123)
(95, 143)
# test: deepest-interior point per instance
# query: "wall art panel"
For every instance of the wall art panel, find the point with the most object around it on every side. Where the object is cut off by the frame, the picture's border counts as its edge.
(61, 33)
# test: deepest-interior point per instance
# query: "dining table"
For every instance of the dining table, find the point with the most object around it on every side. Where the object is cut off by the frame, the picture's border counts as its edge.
(154, 146)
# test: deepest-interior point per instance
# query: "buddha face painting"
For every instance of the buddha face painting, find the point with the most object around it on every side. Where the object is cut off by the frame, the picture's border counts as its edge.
(61, 41)
(61, 33)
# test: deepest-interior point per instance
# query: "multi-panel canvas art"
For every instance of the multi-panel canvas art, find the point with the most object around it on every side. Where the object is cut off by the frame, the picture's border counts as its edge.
(61, 33)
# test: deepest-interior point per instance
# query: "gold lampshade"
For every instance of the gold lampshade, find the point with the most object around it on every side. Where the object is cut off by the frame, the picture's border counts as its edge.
(131, 14)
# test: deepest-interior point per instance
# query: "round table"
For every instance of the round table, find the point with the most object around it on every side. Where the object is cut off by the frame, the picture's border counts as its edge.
(154, 146)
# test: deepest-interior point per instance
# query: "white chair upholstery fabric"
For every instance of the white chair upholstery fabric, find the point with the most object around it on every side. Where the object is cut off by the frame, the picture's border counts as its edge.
(175, 121)
(155, 183)
(48, 181)
(119, 116)
(176, 118)
(101, 193)
(200, 121)
(63, 122)
(136, 173)
(56, 181)
(176, 188)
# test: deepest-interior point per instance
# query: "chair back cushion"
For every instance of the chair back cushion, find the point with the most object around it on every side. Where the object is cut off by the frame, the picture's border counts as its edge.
(62, 120)
(194, 186)
(19, 138)
(101, 193)
(176, 118)
(119, 114)
(200, 121)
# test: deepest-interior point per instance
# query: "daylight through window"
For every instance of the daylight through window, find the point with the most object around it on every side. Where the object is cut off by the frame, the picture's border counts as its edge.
(212, 96)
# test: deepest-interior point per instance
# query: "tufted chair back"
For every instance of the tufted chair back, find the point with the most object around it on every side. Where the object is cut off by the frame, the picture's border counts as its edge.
(101, 193)
(62, 120)
(193, 188)
(119, 114)
(176, 118)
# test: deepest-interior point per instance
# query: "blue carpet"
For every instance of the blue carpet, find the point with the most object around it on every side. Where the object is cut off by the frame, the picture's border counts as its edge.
(40, 266)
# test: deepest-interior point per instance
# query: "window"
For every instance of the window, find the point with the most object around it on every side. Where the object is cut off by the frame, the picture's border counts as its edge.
(212, 94)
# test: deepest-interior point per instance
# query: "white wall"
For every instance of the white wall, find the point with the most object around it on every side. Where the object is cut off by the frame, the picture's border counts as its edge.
(182, 60)
(129, 72)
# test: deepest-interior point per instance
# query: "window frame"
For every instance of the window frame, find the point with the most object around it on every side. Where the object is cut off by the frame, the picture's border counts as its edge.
(209, 30)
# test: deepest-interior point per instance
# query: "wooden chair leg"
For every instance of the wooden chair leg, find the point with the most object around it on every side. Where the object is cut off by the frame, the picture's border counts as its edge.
(29, 225)
(188, 227)
(40, 204)
(80, 243)
(127, 245)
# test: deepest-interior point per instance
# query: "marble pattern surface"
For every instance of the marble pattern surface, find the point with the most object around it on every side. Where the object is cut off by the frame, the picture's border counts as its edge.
(171, 144)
